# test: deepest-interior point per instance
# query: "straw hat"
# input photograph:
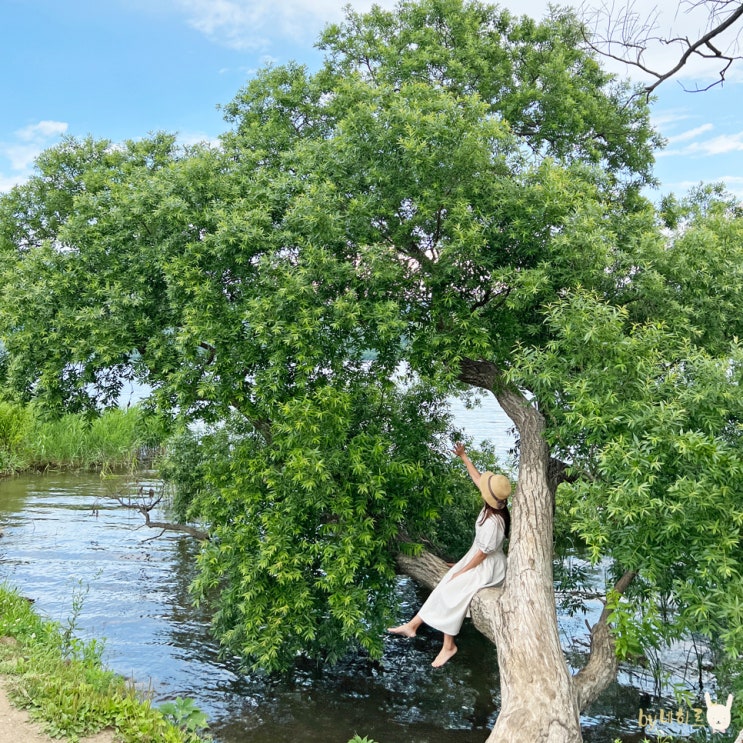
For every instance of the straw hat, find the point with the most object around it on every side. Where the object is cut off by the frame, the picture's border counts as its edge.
(494, 489)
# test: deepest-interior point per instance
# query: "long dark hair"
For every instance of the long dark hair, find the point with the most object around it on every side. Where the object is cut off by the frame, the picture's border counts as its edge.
(503, 512)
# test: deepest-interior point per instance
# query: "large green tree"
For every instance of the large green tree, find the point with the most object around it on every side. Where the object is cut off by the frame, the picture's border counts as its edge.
(452, 200)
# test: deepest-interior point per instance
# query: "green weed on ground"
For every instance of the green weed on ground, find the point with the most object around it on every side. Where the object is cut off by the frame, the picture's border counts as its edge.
(63, 684)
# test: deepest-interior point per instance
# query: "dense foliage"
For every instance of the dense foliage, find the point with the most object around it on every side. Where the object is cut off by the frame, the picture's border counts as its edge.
(454, 185)
(317, 512)
(649, 414)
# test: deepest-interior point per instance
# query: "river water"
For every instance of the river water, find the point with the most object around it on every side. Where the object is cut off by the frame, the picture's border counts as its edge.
(64, 538)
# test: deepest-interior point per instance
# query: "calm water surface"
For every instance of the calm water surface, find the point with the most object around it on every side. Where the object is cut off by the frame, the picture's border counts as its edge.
(63, 536)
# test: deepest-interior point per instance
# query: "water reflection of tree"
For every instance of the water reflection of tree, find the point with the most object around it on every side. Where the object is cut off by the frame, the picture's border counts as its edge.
(188, 624)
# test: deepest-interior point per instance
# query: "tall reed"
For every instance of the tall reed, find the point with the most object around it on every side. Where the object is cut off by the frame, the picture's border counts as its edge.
(117, 438)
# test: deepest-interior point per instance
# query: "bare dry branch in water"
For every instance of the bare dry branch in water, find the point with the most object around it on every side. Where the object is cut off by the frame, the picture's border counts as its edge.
(144, 500)
(623, 33)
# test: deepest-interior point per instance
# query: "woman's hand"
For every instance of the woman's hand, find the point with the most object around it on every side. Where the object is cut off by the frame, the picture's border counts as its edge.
(460, 451)
(477, 558)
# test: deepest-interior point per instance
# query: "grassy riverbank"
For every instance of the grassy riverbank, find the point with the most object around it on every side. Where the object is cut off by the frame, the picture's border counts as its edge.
(61, 681)
(116, 439)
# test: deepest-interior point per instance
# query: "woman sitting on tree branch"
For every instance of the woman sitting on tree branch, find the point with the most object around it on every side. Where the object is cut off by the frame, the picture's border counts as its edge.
(484, 564)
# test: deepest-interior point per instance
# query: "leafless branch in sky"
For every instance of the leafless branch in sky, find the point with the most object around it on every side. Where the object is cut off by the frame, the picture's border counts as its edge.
(623, 32)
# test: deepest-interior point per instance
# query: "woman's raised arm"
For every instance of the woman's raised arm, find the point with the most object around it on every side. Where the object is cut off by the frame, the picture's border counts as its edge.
(460, 451)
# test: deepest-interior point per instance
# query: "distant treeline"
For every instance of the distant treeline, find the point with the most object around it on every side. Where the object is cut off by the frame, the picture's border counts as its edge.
(30, 440)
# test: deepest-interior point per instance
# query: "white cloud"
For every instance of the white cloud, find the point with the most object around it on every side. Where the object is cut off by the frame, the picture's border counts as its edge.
(21, 156)
(733, 183)
(667, 118)
(8, 181)
(690, 134)
(42, 130)
(234, 24)
(723, 144)
(188, 139)
(25, 146)
(253, 24)
(720, 145)
(733, 180)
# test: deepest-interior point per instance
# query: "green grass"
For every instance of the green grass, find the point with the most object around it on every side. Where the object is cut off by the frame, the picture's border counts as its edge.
(61, 681)
(115, 439)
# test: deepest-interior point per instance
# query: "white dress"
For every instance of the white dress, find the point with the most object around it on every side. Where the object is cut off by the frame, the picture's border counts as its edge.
(447, 606)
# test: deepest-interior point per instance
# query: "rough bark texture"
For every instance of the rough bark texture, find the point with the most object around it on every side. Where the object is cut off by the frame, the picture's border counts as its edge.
(589, 682)
(540, 699)
(539, 703)
(602, 665)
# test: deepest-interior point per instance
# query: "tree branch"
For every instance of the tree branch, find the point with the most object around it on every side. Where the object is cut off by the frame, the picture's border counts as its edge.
(635, 36)
(145, 501)
(487, 376)
(192, 531)
(557, 473)
(211, 350)
(482, 374)
(428, 570)
(590, 681)
(601, 668)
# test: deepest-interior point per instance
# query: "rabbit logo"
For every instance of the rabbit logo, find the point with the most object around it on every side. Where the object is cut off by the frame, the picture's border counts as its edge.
(718, 715)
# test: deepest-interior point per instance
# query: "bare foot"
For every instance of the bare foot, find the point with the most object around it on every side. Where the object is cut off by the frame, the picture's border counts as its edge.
(404, 629)
(444, 655)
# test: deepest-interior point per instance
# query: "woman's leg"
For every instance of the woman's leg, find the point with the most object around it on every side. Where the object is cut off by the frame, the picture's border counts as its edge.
(408, 629)
(448, 649)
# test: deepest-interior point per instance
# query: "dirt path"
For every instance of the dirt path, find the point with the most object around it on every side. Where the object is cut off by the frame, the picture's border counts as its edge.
(15, 726)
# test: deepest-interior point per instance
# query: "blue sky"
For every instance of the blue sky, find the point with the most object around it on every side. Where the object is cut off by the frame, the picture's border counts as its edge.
(122, 68)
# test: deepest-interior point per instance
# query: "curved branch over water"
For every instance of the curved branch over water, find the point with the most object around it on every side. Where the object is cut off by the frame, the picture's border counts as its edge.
(145, 501)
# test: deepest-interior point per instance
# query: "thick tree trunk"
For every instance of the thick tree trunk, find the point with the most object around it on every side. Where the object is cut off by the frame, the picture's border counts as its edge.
(539, 702)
